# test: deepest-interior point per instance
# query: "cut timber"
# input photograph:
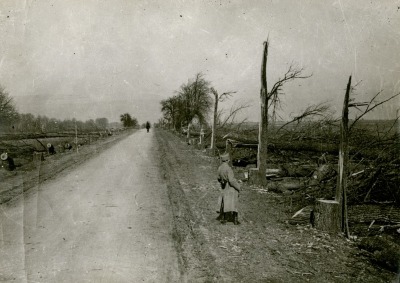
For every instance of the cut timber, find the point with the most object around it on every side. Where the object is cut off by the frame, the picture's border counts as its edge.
(297, 170)
(301, 217)
(326, 216)
(269, 173)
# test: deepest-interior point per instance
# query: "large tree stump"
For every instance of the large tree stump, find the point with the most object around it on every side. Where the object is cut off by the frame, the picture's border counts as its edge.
(253, 176)
(326, 216)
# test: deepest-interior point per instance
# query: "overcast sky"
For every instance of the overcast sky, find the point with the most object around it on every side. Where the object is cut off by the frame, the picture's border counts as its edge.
(89, 59)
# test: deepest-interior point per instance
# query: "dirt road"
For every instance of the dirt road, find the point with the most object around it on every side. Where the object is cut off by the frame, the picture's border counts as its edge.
(107, 220)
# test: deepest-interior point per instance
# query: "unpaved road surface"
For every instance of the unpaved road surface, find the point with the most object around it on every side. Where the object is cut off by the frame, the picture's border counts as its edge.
(107, 220)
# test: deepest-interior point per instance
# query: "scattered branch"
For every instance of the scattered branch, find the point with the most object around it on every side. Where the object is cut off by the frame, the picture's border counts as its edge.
(312, 110)
(230, 118)
(291, 74)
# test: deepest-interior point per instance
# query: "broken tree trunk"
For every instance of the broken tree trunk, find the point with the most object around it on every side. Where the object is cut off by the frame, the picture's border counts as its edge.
(214, 126)
(263, 124)
(341, 189)
(327, 216)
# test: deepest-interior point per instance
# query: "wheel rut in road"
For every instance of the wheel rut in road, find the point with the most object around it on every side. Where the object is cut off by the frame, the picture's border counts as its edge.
(197, 262)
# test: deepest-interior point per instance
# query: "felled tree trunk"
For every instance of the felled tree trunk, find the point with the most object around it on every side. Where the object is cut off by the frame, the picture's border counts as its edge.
(326, 216)
(366, 213)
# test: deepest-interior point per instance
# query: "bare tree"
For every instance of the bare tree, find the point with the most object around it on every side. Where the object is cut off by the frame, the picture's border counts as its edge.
(217, 98)
(127, 120)
(270, 100)
(170, 110)
(196, 101)
(8, 113)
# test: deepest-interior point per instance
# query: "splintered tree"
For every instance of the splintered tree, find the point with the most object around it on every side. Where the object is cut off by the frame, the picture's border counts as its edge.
(345, 133)
(270, 101)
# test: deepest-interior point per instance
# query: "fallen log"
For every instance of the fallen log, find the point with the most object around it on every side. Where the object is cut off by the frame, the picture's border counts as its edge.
(289, 183)
(297, 170)
(374, 212)
(384, 228)
(244, 145)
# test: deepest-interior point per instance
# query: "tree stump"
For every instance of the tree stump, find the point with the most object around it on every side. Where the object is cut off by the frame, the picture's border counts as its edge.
(326, 216)
(38, 157)
(253, 176)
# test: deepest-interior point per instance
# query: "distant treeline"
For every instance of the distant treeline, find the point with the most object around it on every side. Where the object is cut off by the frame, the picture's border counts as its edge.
(29, 123)
(13, 122)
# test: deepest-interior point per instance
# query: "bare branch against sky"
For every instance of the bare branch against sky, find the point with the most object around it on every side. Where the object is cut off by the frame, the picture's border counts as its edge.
(89, 59)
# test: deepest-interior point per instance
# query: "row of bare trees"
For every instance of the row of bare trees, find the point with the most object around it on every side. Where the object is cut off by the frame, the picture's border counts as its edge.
(191, 102)
(191, 105)
(29, 123)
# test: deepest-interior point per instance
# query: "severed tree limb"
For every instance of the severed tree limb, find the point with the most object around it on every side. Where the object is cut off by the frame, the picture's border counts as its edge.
(273, 97)
(369, 108)
(232, 114)
(312, 110)
(291, 74)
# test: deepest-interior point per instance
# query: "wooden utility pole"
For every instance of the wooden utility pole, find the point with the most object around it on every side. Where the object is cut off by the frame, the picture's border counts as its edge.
(214, 126)
(341, 188)
(263, 124)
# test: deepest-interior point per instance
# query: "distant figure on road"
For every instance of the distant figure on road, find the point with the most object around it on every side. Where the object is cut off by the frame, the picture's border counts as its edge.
(68, 146)
(229, 199)
(148, 126)
(51, 148)
(11, 164)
